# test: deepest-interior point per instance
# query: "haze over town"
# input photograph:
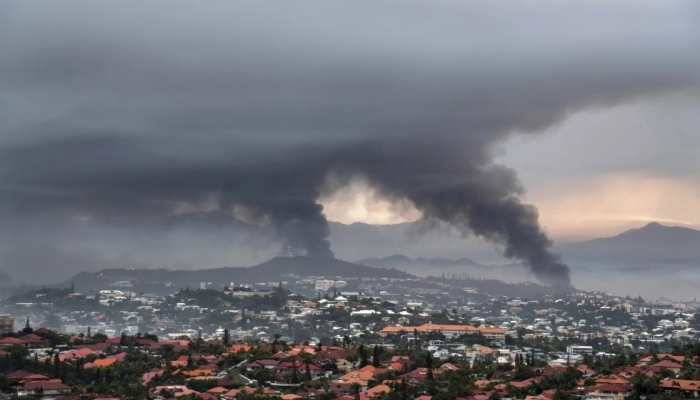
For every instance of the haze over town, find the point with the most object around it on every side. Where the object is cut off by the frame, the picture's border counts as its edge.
(133, 140)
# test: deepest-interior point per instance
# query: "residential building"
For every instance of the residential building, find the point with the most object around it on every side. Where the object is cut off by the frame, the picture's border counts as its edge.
(579, 350)
(7, 324)
(324, 285)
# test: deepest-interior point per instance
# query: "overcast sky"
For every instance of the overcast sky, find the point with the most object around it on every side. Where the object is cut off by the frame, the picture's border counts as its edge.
(125, 114)
(596, 174)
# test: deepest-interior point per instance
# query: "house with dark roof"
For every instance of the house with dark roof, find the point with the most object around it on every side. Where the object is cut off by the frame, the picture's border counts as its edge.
(18, 375)
(608, 392)
(51, 387)
(10, 341)
(262, 364)
(669, 365)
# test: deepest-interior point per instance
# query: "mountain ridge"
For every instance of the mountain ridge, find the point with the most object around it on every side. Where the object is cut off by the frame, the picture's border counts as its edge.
(269, 271)
(652, 243)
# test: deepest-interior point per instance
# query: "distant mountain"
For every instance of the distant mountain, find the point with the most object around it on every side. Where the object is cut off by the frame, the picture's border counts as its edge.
(653, 243)
(402, 261)
(423, 266)
(155, 280)
(363, 241)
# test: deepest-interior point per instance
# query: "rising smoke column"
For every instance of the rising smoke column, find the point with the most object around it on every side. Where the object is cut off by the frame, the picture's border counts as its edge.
(120, 115)
(461, 188)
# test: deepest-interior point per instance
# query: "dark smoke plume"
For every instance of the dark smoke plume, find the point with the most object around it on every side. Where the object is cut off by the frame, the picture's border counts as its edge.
(121, 114)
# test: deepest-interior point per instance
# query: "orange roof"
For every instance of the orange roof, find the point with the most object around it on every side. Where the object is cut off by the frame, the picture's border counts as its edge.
(235, 348)
(361, 382)
(662, 356)
(298, 350)
(173, 341)
(364, 375)
(681, 384)
(379, 389)
(104, 362)
(396, 366)
(612, 379)
(244, 389)
(145, 378)
(481, 383)
(667, 364)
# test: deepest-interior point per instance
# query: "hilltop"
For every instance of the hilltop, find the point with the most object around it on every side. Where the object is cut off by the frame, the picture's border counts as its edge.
(163, 280)
(652, 243)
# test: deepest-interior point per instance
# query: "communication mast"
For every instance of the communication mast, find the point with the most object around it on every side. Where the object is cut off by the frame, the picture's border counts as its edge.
(289, 253)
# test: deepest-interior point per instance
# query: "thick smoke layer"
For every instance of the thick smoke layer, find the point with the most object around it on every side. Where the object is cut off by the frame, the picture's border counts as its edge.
(122, 113)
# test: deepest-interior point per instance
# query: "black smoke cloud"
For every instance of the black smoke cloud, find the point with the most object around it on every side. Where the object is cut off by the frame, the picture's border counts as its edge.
(120, 113)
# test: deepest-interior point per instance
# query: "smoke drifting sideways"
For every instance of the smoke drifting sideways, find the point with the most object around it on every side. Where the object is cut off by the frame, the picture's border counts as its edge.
(119, 114)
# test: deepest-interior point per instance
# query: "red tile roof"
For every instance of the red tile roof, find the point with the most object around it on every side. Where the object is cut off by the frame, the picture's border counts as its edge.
(46, 385)
(667, 364)
(10, 341)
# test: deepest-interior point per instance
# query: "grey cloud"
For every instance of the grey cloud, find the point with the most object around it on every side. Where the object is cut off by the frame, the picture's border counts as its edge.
(123, 110)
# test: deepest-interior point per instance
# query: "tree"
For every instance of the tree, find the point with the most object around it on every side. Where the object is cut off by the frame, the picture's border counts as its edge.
(27, 328)
(56, 366)
(376, 356)
(295, 376)
(416, 341)
(64, 371)
(47, 365)
(429, 365)
(643, 385)
(307, 362)
(364, 357)
(355, 387)
(275, 342)
(227, 337)
(561, 395)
